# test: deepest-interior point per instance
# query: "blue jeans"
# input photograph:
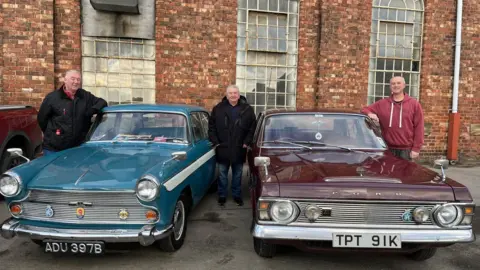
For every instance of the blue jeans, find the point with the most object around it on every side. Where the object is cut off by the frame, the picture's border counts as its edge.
(47, 152)
(236, 180)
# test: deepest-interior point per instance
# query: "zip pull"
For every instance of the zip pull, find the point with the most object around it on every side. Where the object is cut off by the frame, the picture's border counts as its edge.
(63, 111)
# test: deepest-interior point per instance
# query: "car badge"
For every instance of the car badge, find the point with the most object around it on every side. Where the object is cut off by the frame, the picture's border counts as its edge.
(318, 136)
(407, 215)
(123, 214)
(49, 211)
(80, 213)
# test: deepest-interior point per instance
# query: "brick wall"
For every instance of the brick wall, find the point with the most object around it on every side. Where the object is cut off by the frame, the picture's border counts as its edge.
(196, 55)
(344, 54)
(308, 53)
(68, 46)
(469, 100)
(27, 51)
(196, 43)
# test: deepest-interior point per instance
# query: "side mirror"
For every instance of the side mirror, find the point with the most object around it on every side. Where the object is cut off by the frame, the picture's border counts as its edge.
(441, 163)
(16, 152)
(182, 155)
(261, 161)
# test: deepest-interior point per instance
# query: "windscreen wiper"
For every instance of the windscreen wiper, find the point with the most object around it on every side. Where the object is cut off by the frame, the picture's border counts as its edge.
(290, 143)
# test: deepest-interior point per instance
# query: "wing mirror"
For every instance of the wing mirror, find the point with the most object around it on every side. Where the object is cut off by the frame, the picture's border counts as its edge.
(443, 165)
(182, 155)
(261, 161)
(17, 152)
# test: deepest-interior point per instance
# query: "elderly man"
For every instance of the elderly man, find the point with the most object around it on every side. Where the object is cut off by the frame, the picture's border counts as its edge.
(401, 120)
(231, 127)
(65, 114)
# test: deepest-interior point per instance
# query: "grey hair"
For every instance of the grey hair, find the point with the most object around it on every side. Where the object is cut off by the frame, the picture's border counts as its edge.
(403, 79)
(72, 71)
(232, 86)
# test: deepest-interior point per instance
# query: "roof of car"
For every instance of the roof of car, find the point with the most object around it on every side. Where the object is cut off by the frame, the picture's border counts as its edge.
(154, 107)
(299, 110)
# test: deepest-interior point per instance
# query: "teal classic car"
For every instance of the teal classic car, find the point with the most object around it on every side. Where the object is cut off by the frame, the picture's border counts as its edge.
(135, 179)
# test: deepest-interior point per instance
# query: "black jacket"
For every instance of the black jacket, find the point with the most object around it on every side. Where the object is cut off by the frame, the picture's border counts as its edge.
(230, 136)
(65, 122)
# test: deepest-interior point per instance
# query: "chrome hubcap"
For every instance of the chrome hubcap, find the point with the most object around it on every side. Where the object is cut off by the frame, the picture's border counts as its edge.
(178, 220)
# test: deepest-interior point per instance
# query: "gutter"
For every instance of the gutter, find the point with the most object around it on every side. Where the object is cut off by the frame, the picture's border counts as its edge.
(454, 117)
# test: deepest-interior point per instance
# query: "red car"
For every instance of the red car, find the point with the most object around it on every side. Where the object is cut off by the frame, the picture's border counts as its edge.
(325, 180)
(18, 129)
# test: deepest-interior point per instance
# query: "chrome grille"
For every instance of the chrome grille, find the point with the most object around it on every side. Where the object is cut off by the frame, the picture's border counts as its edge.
(104, 208)
(362, 213)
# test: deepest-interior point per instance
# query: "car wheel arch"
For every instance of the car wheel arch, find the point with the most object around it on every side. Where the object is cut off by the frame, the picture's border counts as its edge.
(20, 140)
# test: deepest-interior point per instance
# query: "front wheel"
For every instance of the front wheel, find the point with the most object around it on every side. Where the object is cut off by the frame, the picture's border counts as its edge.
(264, 249)
(175, 241)
(423, 254)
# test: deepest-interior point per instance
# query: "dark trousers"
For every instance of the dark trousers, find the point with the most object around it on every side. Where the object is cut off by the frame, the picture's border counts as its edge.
(401, 153)
(236, 180)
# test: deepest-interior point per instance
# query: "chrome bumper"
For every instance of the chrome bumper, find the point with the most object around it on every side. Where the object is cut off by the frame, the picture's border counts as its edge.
(145, 236)
(326, 234)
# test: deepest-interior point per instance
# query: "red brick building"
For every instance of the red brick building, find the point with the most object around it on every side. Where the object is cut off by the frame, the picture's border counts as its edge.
(282, 53)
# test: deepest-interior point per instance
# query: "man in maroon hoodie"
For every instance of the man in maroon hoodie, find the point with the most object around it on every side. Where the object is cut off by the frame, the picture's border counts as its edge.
(401, 120)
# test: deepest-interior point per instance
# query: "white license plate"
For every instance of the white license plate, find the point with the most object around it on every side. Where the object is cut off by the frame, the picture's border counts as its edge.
(74, 247)
(367, 240)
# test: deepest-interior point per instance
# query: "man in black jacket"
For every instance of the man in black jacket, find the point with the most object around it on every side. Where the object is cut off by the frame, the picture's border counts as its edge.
(65, 114)
(231, 127)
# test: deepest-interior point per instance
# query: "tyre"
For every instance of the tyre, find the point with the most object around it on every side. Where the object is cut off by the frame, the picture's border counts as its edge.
(423, 254)
(175, 241)
(264, 249)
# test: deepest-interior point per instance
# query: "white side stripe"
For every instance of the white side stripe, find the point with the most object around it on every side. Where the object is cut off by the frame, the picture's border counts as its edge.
(180, 177)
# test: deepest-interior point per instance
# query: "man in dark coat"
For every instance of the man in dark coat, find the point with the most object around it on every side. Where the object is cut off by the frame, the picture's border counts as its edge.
(65, 114)
(230, 128)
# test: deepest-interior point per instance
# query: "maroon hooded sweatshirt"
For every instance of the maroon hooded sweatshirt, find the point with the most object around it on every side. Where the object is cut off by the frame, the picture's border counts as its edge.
(401, 122)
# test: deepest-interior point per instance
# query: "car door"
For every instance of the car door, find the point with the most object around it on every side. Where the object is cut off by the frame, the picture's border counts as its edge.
(203, 153)
(252, 181)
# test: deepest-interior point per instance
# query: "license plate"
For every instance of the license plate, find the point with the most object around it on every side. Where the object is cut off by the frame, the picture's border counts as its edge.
(74, 247)
(367, 240)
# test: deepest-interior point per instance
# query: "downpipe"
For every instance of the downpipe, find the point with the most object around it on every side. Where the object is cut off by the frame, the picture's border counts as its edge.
(454, 116)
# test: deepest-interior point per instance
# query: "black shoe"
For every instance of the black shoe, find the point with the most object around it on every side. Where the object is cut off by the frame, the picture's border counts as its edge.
(239, 201)
(221, 201)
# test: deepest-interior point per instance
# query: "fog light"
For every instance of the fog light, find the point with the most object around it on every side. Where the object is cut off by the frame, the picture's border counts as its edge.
(151, 215)
(16, 209)
(421, 214)
(312, 212)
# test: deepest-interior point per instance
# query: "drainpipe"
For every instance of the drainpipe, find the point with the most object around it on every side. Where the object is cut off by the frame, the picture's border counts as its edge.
(454, 117)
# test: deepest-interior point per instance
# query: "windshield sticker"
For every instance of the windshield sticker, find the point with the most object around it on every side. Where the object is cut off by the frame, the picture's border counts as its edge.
(318, 136)
(318, 115)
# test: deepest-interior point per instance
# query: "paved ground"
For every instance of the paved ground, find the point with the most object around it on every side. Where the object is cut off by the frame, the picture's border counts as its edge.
(220, 239)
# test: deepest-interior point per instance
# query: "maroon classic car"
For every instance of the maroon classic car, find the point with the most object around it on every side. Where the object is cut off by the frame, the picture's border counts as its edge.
(325, 180)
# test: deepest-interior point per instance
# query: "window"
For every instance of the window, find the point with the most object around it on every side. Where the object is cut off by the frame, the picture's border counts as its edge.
(318, 129)
(119, 70)
(199, 126)
(133, 126)
(395, 46)
(267, 39)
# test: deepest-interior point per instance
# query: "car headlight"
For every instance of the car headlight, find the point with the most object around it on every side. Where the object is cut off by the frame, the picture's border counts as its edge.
(283, 212)
(147, 188)
(10, 184)
(448, 215)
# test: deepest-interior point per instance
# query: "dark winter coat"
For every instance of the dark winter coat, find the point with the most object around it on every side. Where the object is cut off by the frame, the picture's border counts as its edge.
(65, 122)
(228, 135)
